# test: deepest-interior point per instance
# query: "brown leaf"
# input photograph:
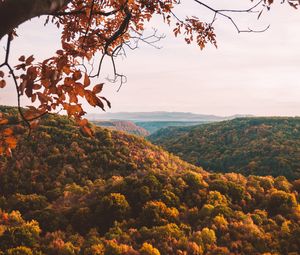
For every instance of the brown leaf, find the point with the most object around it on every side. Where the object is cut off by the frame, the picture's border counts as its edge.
(91, 98)
(79, 89)
(98, 88)
(43, 98)
(68, 81)
(77, 75)
(108, 103)
(87, 80)
(2, 84)
(22, 58)
(29, 60)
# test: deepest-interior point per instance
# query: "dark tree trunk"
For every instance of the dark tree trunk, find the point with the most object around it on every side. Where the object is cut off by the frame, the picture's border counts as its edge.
(15, 12)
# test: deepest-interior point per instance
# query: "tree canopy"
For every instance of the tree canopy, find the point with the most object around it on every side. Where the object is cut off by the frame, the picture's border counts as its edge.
(254, 145)
(115, 194)
(89, 29)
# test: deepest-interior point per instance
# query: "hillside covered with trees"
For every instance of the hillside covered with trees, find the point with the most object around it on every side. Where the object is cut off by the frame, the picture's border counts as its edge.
(122, 125)
(259, 146)
(62, 193)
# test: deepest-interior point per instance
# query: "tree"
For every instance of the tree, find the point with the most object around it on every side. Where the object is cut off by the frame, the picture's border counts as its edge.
(89, 28)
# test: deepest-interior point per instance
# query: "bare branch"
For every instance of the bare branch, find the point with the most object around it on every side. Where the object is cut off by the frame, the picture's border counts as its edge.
(221, 12)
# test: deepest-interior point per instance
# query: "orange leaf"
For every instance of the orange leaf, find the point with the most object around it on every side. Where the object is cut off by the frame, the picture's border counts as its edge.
(11, 141)
(87, 130)
(83, 122)
(3, 121)
(7, 132)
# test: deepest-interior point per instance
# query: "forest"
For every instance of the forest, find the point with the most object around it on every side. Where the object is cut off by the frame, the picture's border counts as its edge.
(65, 193)
(251, 146)
(69, 187)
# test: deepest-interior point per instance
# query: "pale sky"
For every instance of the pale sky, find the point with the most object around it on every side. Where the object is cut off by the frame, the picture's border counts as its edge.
(249, 73)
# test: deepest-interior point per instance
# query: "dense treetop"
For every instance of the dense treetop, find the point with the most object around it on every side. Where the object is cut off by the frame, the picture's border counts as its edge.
(62, 193)
(259, 146)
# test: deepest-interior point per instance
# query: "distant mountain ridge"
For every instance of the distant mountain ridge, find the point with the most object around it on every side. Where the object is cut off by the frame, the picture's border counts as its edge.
(160, 116)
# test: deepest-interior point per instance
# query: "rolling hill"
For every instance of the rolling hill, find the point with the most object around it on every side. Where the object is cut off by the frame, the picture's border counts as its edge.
(113, 194)
(259, 146)
(123, 125)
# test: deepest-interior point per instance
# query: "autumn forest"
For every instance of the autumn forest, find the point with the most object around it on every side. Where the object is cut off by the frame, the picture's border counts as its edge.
(116, 193)
(159, 181)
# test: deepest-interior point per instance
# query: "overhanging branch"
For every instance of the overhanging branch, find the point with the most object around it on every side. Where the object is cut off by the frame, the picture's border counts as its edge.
(15, 12)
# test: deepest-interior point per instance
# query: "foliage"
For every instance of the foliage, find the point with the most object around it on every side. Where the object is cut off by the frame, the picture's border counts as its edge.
(259, 146)
(83, 195)
(88, 29)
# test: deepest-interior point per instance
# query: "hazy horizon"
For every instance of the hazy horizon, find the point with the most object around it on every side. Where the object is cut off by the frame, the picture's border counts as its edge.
(196, 113)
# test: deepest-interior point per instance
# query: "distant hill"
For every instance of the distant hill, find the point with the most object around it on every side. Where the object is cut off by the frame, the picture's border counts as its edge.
(123, 125)
(159, 116)
(259, 146)
(62, 192)
(153, 126)
(153, 121)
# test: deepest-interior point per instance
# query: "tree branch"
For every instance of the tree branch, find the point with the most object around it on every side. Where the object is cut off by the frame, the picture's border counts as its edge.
(15, 12)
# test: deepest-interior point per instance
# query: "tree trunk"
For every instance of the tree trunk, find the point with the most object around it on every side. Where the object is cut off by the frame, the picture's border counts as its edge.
(15, 12)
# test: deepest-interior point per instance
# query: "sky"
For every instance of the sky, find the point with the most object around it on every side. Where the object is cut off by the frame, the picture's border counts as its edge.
(249, 73)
